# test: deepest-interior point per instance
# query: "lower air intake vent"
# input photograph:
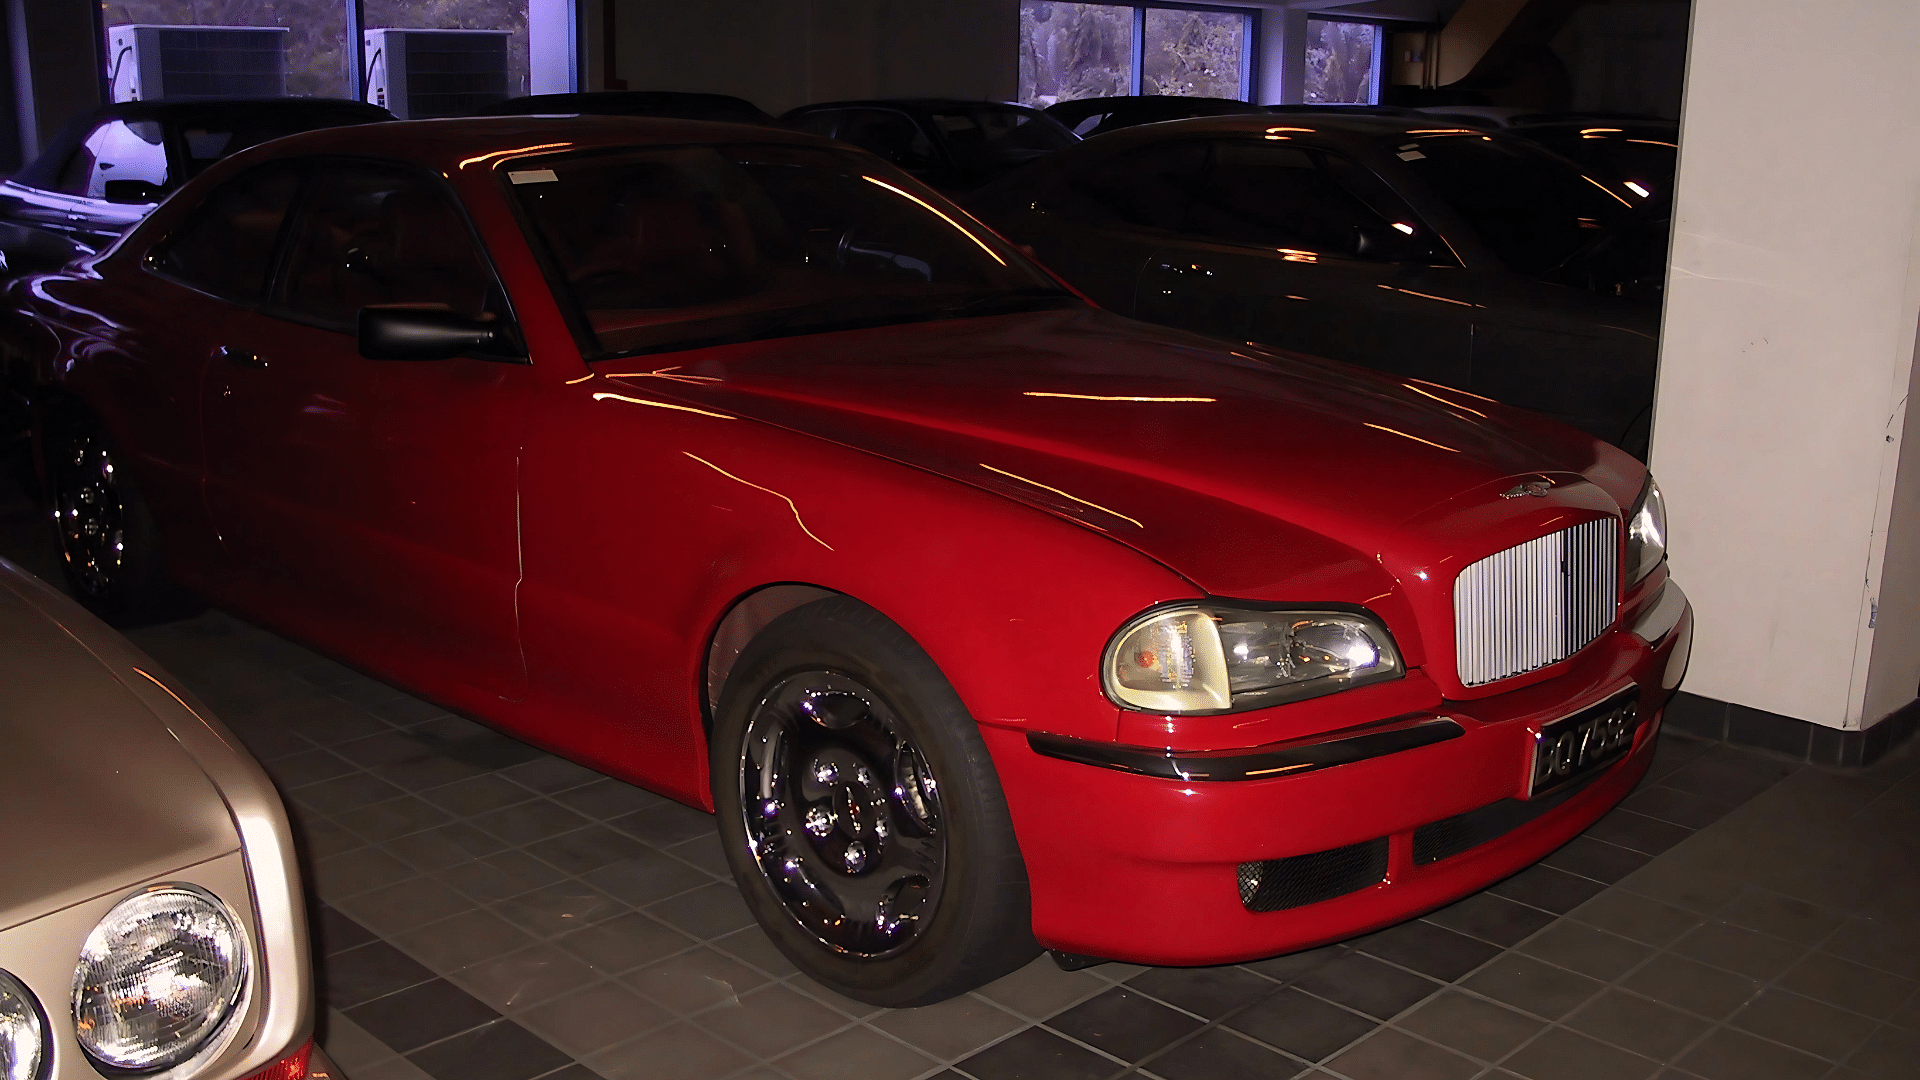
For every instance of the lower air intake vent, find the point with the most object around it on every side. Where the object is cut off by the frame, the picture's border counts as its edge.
(1448, 837)
(1279, 884)
(1536, 603)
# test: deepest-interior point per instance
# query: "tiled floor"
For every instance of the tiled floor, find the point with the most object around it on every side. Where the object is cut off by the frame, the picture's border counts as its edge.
(485, 911)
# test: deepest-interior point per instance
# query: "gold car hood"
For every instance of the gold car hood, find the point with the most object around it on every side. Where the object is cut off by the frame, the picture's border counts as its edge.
(96, 794)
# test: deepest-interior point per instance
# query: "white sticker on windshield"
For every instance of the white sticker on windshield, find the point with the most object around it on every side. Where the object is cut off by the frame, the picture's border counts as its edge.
(533, 176)
(1405, 155)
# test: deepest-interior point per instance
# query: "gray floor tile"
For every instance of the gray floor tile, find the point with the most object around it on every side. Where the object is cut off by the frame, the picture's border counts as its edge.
(771, 1020)
(647, 878)
(1366, 985)
(707, 912)
(1581, 948)
(1693, 986)
(1819, 1029)
(857, 1010)
(403, 906)
(1476, 1027)
(1727, 1054)
(1560, 1054)
(1033, 1053)
(1041, 989)
(1700, 891)
(1431, 950)
(606, 798)
(583, 1022)
(1780, 916)
(692, 981)
(1301, 1025)
(1125, 1024)
(394, 818)
(463, 939)
(524, 823)
(1637, 917)
(548, 774)
(500, 876)
(1394, 1055)
(664, 825)
(520, 979)
(1532, 986)
(356, 871)
(559, 908)
(1491, 918)
(443, 846)
(478, 795)
(1889, 1054)
(625, 942)
(858, 1051)
(676, 1052)
(502, 1050)
(1635, 1023)
(1825, 977)
(1747, 952)
(349, 1044)
(753, 946)
(951, 1029)
(1209, 992)
(1219, 1054)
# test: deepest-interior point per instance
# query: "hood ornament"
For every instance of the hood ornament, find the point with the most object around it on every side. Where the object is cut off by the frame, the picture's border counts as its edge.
(1538, 488)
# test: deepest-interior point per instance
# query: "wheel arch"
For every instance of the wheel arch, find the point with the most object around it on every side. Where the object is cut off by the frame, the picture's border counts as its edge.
(745, 618)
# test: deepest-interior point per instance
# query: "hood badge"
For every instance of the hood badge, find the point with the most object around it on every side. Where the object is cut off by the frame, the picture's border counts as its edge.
(1538, 488)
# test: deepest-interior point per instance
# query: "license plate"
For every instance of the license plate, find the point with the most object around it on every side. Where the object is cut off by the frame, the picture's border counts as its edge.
(1575, 746)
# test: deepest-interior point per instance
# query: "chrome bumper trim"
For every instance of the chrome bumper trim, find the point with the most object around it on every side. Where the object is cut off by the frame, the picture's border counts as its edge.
(1655, 623)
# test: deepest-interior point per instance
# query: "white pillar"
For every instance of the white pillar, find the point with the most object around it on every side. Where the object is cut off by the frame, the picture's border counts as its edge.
(1792, 306)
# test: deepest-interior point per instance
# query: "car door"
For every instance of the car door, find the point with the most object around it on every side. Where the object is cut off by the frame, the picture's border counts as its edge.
(1303, 249)
(373, 504)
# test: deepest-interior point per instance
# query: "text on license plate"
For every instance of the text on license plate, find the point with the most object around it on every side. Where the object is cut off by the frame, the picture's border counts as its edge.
(1576, 745)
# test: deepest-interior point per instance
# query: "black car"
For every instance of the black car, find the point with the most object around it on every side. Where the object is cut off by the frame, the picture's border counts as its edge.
(1641, 151)
(949, 144)
(673, 104)
(108, 168)
(1087, 117)
(1431, 251)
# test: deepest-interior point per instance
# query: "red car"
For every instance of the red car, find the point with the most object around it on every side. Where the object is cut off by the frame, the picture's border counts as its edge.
(735, 463)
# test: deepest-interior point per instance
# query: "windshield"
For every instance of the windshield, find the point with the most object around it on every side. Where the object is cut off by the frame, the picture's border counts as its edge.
(986, 136)
(690, 246)
(1533, 209)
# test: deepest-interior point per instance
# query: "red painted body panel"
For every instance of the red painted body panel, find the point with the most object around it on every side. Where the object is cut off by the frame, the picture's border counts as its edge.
(550, 546)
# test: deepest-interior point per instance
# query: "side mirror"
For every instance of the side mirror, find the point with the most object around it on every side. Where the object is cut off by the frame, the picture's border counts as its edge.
(136, 192)
(1383, 243)
(413, 333)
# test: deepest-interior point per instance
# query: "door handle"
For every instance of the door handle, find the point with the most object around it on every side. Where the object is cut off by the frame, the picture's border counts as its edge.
(240, 357)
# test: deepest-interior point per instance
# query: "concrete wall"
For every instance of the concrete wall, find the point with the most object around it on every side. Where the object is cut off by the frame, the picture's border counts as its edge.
(783, 53)
(1786, 355)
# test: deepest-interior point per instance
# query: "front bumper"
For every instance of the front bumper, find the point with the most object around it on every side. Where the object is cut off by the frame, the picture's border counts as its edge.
(1146, 868)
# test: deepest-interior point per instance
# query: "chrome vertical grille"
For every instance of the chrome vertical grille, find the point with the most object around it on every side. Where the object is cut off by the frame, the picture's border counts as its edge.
(1536, 603)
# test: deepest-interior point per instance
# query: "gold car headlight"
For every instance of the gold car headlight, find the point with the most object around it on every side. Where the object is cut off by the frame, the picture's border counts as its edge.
(158, 978)
(1203, 658)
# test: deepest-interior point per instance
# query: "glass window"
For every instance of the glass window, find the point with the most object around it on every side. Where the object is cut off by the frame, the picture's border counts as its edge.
(986, 137)
(674, 249)
(1151, 187)
(226, 246)
(1280, 196)
(1343, 63)
(1194, 53)
(370, 235)
(891, 135)
(1533, 209)
(214, 131)
(119, 150)
(1072, 51)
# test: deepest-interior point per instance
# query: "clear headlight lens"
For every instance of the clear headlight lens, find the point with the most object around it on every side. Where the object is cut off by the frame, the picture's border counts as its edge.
(1646, 532)
(23, 1034)
(157, 978)
(1205, 658)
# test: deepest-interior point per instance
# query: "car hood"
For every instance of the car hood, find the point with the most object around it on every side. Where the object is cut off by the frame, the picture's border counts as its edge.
(1252, 473)
(95, 792)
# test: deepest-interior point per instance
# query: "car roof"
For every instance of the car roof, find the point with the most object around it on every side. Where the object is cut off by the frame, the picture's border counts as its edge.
(926, 104)
(688, 104)
(1339, 127)
(446, 144)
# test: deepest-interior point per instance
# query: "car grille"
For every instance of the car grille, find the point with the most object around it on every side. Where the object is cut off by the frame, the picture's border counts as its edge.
(1536, 603)
(1279, 884)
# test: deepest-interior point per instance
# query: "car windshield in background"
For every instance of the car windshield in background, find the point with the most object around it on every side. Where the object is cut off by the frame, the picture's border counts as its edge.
(223, 133)
(685, 247)
(986, 136)
(1533, 209)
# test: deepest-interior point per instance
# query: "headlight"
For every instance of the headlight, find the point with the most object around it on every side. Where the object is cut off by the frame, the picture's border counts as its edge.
(157, 978)
(1646, 532)
(23, 1033)
(1199, 658)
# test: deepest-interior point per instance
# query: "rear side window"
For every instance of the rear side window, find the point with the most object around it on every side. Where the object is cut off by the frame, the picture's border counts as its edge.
(889, 135)
(117, 150)
(1151, 187)
(1278, 196)
(226, 246)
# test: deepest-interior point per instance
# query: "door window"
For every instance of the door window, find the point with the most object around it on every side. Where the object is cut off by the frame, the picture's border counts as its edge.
(226, 246)
(118, 150)
(1307, 200)
(372, 235)
(890, 135)
(1151, 187)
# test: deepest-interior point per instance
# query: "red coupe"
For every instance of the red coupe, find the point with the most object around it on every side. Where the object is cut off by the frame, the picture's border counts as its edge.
(736, 463)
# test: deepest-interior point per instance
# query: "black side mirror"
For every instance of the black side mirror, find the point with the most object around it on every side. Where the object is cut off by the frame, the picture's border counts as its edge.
(1383, 243)
(131, 191)
(413, 333)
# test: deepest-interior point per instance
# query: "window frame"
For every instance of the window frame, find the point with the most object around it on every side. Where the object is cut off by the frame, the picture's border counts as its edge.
(1379, 70)
(1249, 54)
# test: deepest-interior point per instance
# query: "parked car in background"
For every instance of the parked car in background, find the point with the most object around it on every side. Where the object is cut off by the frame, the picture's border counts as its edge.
(108, 168)
(1450, 254)
(664, 103)
(1087, 117)
(151, 920)
(1639, 151)
(735, 463)
(953, 146)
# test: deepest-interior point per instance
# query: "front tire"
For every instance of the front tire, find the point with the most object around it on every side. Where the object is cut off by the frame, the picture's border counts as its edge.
(861, 815)
(108, 544)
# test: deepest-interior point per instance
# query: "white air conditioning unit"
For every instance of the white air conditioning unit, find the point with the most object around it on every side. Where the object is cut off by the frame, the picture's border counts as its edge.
(182, 63)
(421, 74)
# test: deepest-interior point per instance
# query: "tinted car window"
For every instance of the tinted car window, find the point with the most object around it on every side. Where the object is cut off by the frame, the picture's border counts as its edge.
(677, 248)
(1152, 187)
(117, 150)
(984, 136)
(226, 246)
(209, 138)
(1533, 209)
(1278, 196)
(891, 135)
(370, 235)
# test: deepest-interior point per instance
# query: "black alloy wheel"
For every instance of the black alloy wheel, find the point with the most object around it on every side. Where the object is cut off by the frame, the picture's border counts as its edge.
(860, 813)
(109, 547)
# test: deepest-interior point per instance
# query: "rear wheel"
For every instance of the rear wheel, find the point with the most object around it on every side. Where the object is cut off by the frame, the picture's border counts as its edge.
(861, 815)
(108, 545)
